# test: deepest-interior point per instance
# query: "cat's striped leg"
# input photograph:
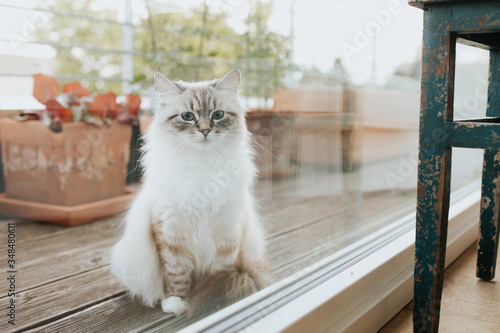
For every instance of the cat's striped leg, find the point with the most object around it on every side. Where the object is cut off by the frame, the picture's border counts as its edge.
(177, 268)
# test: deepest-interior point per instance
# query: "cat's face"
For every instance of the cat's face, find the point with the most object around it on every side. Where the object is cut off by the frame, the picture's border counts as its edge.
(200, 114)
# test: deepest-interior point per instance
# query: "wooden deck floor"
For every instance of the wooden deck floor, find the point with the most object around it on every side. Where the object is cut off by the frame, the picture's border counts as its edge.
(468, 305)
(64, 285)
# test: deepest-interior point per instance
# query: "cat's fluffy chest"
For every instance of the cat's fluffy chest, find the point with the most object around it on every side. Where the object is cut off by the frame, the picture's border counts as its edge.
(205, 182)
(202, 231)
(205, 241)
(202, 207)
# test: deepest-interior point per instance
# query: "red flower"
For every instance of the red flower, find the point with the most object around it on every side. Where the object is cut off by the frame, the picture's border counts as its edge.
(58, 111)
(104, 105)
(45, 88)
(76, 88)
(133, 104)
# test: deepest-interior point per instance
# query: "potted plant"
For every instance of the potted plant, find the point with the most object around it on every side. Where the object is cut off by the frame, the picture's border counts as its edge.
(67, 164)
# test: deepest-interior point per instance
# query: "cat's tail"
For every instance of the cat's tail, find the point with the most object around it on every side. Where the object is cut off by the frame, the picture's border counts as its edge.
(228, 286)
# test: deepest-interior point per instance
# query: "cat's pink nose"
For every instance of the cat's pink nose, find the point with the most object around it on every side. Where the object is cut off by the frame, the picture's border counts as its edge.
(205, 131)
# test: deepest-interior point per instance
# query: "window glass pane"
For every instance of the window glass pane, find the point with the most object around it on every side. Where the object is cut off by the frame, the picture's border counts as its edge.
(332, 89)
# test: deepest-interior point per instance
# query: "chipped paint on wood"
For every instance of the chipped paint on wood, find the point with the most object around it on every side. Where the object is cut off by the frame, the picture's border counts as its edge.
(493, 103)
(490, 205)
(483, 16)
(423, 3)
(444, 21)
(434, 167)
(473, 134)
(487, 247)
(484, 19)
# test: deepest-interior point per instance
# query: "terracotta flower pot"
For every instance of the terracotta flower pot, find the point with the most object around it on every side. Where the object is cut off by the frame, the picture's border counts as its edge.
(84, 163)
(144, 121)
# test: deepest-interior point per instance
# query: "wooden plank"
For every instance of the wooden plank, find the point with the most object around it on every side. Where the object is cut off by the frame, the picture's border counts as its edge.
(293, 251)
(473, 135)
(489, 218)
(334, 227)
(27, 229)
(37, 230)
(131, 316)
(401, 323)
(62, 253)
(434, 171)
(61, 298)
(475, 17)
(37, 273)
(173, 325)
(280, 209)
(65, 254)
(314, 254)
(299, 213)
(55, 260)
(64, 240)
(461, 285)
(468, 305)
(302, 214)
(423, 3)
(493, 106)
(119, 314)
(486, 41)
(489, 235)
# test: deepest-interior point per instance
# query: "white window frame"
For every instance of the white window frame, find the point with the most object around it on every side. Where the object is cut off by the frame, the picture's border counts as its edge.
(359, 297)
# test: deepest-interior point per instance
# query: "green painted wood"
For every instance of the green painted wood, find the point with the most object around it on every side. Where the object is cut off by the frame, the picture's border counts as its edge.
(427, 3)
(484, 120)
(475, 16)
(424, 3)
(493, 104)
(489, 218)
(486, 41)
(434, 168)
(487, 248)
(473, 135)
(475, 23)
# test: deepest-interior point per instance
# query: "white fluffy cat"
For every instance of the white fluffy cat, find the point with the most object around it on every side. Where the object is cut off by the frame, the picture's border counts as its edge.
(192, 237)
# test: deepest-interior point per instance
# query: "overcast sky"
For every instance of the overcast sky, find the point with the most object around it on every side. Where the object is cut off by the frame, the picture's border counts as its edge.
(352, 30)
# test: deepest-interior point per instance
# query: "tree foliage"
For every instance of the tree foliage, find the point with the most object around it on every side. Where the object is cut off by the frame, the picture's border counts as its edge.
(191, 45)
(265, 58)
(79, 39)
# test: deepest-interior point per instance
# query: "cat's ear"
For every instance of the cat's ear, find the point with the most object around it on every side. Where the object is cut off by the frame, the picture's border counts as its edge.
(165, 86)
(230, 82)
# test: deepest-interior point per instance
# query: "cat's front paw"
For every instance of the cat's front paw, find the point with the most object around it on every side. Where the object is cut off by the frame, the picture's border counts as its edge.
(175, 305)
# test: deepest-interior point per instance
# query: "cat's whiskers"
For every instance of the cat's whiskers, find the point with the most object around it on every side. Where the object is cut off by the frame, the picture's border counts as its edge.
(265, 149)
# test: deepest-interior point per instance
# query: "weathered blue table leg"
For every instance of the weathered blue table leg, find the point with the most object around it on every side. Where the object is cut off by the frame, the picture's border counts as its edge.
(490, 190)
(434, 168)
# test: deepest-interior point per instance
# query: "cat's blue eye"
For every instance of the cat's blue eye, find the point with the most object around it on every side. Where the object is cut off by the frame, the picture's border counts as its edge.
(217, 115)
(187, 116)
